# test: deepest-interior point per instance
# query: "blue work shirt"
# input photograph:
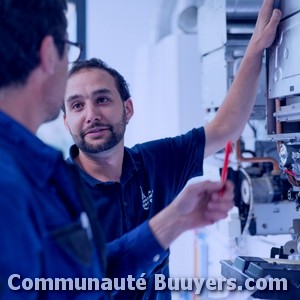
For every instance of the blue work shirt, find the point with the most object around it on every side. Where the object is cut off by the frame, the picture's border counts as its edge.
(153, 174)
(47, 231)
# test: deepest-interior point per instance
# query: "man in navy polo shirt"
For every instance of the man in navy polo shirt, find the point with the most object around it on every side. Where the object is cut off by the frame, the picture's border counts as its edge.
(48, 226)
(129, 186)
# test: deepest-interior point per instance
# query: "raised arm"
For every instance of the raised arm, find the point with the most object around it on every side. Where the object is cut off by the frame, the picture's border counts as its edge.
(234, 112)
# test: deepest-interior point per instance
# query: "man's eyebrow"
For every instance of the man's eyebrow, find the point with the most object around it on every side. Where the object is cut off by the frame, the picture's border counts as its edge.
(101, 92)
(72, 97)
(94, 93)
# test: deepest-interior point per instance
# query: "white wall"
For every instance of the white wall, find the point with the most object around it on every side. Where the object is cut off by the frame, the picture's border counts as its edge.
(116, 28)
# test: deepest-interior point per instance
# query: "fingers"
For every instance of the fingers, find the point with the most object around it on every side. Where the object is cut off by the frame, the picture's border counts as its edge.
(217, 210)
(214, 217)
(220, 204)
(226, 191)
(266, 9)
(212, 188)
(228, 187)
(271, 26)
(201, 204)
(274, 21)
(266, 26)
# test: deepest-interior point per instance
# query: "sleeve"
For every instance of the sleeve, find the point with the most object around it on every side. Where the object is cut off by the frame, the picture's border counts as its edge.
(20, 255)
(178, 159)
(135, 253)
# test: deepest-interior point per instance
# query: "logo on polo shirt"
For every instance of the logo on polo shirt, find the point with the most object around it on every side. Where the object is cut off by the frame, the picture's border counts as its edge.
(146, 200)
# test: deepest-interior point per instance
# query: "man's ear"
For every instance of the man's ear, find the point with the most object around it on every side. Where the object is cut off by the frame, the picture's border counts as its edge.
(48, 54)
(128, 109)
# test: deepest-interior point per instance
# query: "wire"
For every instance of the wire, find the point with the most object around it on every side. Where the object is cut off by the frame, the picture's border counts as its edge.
(253, 129)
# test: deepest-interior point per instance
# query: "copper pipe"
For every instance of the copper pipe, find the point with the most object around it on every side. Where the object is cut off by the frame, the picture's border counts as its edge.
(240, 158)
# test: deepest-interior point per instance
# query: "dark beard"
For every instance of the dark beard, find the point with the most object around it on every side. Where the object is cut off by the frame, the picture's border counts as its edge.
(116, 135)
(113, 140)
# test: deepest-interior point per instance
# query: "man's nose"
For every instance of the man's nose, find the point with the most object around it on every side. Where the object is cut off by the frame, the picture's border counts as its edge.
(93, 114)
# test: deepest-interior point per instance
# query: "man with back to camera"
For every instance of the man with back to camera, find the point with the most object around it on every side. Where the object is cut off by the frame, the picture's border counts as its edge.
(131, 185)
(48, 227)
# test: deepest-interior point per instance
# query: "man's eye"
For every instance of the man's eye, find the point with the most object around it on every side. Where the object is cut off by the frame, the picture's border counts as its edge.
(76, 106)
(102, 100)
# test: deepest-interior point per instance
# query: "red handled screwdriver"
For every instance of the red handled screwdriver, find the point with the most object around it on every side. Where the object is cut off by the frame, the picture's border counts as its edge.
(228, 149)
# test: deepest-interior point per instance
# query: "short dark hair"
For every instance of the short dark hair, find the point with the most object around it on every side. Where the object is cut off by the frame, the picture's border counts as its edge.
(23, 25)
(96, 63)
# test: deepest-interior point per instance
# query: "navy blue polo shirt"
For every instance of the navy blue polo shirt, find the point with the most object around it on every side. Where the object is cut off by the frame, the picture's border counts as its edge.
(153, 174)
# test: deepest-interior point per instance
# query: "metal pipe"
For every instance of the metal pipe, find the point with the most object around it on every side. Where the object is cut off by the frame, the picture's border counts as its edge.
(240, 158)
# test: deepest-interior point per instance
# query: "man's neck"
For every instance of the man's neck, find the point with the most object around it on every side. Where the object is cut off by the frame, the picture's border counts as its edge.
(104, 166)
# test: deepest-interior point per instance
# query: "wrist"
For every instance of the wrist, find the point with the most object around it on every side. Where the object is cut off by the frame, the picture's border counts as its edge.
(166, 226)
(254, 49)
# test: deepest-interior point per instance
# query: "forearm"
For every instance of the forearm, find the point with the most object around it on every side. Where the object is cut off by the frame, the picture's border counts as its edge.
(238, 103)
(166, 226)
(236, 108)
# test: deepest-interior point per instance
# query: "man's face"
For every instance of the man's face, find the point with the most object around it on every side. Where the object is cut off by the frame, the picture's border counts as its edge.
(95, 115)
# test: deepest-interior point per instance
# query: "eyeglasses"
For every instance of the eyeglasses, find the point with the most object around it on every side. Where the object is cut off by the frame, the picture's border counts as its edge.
(74, 50)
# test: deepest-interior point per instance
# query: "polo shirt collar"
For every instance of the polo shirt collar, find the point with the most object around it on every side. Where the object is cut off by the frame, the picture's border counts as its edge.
(128, 168)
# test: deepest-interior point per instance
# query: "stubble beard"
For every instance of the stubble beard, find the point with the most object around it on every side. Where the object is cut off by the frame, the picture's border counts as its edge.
(116, 134)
